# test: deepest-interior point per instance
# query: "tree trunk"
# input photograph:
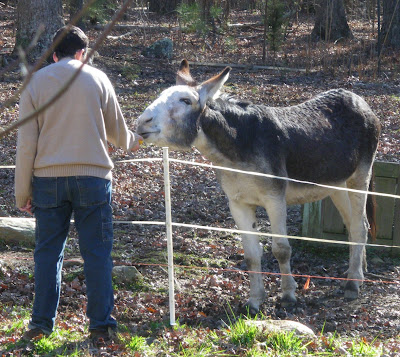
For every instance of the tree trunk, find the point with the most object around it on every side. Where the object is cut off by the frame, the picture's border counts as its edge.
(330, 21)
(163, 6)
(391, 24)
(30, 15)
(74, 7)
(205, 6)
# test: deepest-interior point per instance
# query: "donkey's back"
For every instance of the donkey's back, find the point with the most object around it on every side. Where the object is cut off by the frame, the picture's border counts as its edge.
(328, 137)
(322, 140)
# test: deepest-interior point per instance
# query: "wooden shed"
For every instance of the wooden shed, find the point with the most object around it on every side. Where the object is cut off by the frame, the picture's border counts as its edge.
(322, 220)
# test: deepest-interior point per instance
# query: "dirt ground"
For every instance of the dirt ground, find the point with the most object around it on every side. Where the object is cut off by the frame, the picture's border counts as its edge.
(211, 282)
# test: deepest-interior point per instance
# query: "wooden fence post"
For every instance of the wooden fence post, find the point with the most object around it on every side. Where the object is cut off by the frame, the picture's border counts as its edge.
(322, 220)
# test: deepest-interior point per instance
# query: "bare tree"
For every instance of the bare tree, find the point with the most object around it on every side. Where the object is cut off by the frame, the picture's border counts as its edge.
(391, 23)
(74, 7)
(205, 6)
(31, 15)
(330, 21)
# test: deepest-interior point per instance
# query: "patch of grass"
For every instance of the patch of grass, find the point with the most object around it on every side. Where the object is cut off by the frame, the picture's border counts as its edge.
(257, 341)
(286, 344)
(13, 318)
(58, 342)
(27, 272)
(194, 342)
(194, 259)
(15, 326)
(131, 72)
(156, 326)
(137, 344)
(136, 285)
(242, 334)
(181, 340)
(363, 348)
(191, 348)
(70, 276)
(256, 352)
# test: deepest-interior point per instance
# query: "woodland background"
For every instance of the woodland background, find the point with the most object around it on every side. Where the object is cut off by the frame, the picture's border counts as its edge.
(282, 54)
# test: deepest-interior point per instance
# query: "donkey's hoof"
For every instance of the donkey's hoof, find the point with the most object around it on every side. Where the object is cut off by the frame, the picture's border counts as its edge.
(351, 291)
(288, 301)
(250, 310)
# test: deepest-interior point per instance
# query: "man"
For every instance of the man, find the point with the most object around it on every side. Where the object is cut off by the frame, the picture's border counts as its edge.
(63, 167)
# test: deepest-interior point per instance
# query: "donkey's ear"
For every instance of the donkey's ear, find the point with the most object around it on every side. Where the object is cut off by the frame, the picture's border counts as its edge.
(183, 76)
(210, 88)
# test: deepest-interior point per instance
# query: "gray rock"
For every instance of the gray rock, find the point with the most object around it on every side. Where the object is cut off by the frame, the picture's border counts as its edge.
(377, 260)
(159, 49)
(271, 326)
(126, 274)
(17, 230)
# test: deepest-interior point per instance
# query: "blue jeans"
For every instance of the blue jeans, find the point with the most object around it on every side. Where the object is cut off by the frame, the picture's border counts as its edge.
(54, 200)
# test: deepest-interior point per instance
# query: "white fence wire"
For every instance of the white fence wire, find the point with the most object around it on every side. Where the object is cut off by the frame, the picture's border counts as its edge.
(169, 223)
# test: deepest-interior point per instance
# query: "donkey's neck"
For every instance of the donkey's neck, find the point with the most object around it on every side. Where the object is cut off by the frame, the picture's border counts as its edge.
(217, 139)
(208, 149)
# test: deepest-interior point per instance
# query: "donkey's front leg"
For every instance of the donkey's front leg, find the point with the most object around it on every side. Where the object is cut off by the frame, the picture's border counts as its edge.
(245, 218)
(276, 209)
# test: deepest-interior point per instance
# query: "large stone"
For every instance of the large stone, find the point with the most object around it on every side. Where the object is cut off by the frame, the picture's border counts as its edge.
(17, 230)
(126, 274)
(159, 49)
(276, 326)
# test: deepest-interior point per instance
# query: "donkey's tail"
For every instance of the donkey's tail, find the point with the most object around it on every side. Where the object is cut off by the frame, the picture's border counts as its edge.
(371, 208)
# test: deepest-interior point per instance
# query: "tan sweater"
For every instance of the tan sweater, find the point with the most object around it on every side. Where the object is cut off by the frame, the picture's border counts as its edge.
(70, 137)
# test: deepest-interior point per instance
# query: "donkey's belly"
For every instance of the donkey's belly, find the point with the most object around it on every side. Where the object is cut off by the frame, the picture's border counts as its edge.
(300, 193)
(256, 190)
(243, 188)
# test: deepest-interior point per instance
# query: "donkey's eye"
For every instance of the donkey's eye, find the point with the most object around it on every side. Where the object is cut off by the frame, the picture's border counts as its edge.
(187, 101)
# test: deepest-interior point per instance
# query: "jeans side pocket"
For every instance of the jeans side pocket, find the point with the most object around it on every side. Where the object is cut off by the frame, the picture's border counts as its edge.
(107, 231)
(107, 222)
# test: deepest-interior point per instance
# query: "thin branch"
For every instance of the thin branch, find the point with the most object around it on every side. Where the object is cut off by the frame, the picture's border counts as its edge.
(40, 61)
(63, 89)
(244, 66)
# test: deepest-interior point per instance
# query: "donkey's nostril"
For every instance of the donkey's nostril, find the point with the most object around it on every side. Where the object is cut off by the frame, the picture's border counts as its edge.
(148, 120)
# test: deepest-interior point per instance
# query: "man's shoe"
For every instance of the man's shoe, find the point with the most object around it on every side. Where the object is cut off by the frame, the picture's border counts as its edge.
(34, 334)
(101, 338)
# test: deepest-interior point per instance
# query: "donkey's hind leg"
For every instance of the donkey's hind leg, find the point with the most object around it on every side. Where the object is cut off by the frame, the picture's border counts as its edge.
(358, 231)
(245, 218)
(341, 201)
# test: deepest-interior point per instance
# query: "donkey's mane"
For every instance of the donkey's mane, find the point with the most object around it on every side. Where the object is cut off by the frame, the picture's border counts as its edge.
(234, 126)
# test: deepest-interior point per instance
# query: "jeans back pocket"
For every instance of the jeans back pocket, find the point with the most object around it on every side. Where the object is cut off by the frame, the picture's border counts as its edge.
(44, 192)
(93, 191)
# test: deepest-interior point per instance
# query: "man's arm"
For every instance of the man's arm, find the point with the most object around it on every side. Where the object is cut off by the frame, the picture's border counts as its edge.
(28, 134)
(117, 131)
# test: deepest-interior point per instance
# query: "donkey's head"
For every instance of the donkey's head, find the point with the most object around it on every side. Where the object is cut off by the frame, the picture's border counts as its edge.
(172, 119)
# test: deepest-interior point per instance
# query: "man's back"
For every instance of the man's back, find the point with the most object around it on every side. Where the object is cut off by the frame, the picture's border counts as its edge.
(70, 137)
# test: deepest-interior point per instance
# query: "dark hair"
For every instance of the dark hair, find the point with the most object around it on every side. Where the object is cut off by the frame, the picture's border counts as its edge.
(72, 39)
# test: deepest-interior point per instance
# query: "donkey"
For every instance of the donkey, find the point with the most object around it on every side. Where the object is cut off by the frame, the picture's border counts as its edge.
(331, 139)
